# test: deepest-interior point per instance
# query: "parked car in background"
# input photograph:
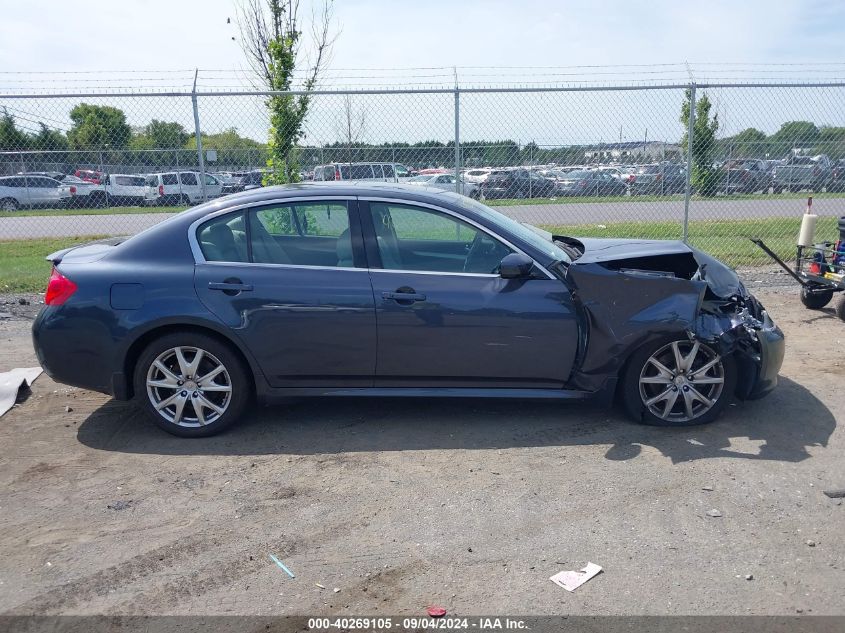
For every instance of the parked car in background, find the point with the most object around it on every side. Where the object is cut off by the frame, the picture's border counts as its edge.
(743, 176)
(184, 187)
(660, 179)
(446, 182)
(476, 176)
(589, 183)
(27, 192)
(89, 175)
(244, 181)
(803, 172)
(55, 175)
(837, 176)
(265, 295)
(113, 189)
(77, 192)
(516, 183)
(370, 172)
(621, 174)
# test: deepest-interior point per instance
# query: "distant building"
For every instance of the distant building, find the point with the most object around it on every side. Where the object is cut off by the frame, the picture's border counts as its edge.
(652, 150)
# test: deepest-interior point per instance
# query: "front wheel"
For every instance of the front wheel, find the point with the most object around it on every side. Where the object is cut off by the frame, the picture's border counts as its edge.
(8, 204)
(680, 383)
(192, 385)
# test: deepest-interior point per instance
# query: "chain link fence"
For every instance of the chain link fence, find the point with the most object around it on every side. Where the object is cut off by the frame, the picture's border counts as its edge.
(585, 161)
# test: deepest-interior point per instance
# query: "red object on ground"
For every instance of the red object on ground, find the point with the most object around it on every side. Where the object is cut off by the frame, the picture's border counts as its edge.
(436, 612)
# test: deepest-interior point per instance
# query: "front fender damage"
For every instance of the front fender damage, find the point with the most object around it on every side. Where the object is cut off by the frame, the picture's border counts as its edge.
(627, 303)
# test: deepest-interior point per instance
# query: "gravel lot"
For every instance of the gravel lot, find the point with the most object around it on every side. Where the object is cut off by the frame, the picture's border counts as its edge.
(400, 504)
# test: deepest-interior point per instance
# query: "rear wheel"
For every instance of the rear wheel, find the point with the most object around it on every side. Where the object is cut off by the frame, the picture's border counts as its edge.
(815, 299)
(191, 384)
(679, 383)
(184, 199)
(8, 204)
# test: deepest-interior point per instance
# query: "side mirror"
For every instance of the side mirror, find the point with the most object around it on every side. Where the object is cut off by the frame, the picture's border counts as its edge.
(516, 266)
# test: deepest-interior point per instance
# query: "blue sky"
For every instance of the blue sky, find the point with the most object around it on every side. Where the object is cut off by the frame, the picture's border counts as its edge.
(160, 34)
(492, 42)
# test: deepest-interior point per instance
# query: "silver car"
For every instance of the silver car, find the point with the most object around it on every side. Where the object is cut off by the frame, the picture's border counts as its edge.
(26, 192)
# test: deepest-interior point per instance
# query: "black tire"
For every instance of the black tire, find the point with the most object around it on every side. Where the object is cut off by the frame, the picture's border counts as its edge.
(238, 379)
(817, 299)
(635, 406)
(840, 307)
(9, 204)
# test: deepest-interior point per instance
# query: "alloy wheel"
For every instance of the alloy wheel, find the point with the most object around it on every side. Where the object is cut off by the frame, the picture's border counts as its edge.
(682, 381)
(188, 386)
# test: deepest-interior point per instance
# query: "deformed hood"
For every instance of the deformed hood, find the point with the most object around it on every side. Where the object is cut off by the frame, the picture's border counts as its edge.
(661, 256)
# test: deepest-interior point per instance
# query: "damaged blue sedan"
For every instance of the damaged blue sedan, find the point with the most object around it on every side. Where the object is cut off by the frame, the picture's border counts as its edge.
(366, 290)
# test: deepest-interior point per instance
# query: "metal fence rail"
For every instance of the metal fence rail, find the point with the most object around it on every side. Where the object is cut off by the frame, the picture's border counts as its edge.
(584, 160)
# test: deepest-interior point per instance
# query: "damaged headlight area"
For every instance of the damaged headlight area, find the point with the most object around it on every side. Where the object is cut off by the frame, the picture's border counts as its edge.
(631, 292)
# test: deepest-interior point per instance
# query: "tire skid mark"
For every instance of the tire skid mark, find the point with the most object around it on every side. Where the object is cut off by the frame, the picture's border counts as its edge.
(66, 596)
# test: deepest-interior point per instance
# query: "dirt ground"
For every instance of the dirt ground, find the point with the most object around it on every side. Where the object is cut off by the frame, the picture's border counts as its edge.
(393, 505)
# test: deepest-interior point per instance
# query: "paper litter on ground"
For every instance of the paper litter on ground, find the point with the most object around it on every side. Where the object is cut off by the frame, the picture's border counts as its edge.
(571, 580)
(11, 382)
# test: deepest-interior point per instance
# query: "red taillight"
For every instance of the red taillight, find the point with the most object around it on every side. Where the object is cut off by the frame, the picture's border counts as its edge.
(72, 190)
(337, 173)
(658, 177)
(59, 289)
(161, 190)
(632, 178)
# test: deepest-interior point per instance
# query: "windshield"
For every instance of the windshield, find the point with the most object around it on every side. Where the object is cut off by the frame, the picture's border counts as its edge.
(420, 179)
(513, 227)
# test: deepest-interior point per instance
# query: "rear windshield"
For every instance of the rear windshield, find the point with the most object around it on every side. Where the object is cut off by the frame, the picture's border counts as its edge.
(649, 169)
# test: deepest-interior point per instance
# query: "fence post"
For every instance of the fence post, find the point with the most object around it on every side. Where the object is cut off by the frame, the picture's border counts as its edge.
(457, 139)
(690, 134)
(199, 137)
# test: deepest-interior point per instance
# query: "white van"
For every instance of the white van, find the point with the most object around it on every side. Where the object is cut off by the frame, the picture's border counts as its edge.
(370, 172)
(181, 187)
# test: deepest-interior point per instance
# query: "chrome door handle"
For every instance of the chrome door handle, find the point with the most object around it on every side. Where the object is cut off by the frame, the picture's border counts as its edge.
(403, 296)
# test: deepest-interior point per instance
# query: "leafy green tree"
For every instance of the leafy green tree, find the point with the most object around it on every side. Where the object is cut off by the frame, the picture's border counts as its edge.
(271, 38)
(794, 135)
(49, 140)
(98, 127)
(831, 141)
(164, 135)
(12, 138)
(704, 175)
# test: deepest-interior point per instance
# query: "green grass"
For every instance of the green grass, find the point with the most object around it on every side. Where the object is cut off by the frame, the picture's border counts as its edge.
(24, 269)
(652, 198)
(492, 203)
(111, 211)
(727, 240)
(22, 264)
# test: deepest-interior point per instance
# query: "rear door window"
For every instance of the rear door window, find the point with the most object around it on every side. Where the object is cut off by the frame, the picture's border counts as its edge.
(188, 178)
(388, 171)
(169, 179)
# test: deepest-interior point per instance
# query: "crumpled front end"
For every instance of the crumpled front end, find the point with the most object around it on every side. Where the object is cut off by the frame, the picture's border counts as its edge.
(742, 327)
(631, 293)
